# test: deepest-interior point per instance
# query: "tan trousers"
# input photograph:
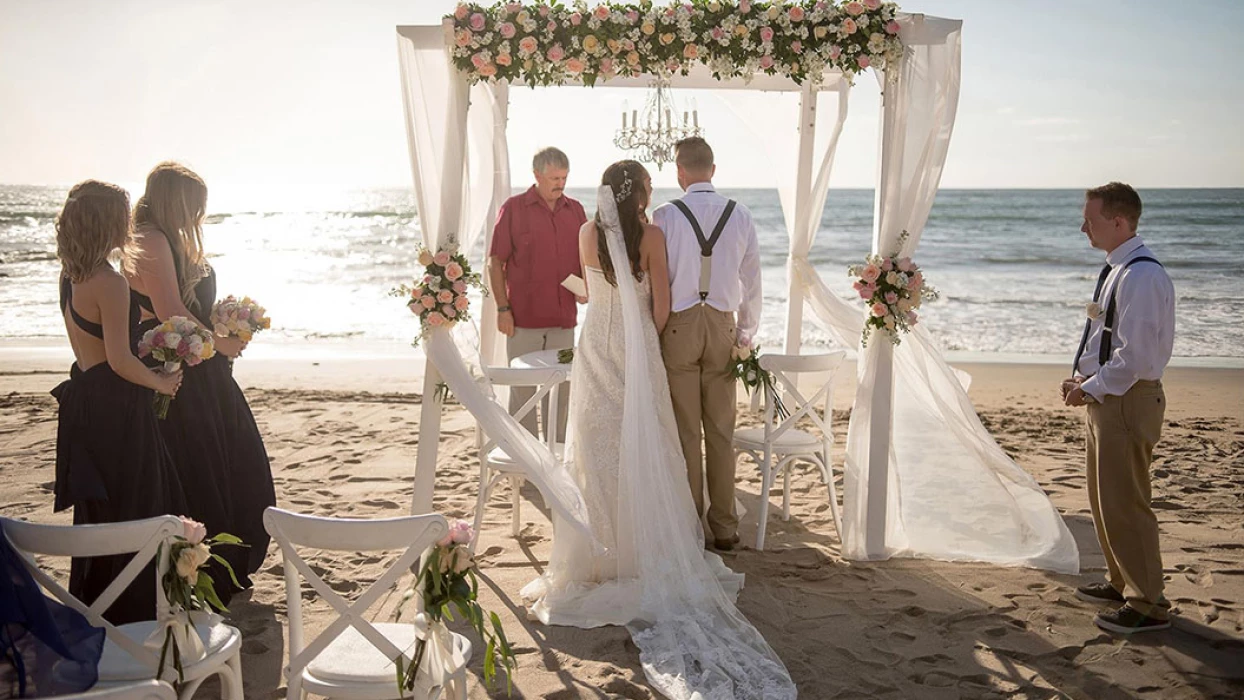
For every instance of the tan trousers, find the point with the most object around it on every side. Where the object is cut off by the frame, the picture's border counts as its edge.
(527, 340)
(696, 345)
(1122, 432)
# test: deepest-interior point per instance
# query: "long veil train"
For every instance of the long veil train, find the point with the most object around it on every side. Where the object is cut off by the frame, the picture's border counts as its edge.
(693, 641)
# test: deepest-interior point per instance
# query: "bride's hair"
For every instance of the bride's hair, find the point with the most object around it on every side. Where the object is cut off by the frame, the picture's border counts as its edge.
(627, 179)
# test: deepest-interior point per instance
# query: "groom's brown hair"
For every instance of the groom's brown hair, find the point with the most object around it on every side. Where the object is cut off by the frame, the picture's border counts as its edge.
(694, 154)
(1118, 199)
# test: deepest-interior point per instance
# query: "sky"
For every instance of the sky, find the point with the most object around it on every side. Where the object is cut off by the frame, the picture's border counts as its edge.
(1055, 94)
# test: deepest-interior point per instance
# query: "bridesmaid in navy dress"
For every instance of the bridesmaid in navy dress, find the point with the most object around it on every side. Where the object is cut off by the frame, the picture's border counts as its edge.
(210, 431)
(111, 463)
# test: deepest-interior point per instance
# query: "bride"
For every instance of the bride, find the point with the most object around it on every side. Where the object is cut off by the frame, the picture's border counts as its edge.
(644, 565)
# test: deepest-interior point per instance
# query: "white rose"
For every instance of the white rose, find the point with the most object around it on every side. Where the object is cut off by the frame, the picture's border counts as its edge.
(189, 561)
(172, 340)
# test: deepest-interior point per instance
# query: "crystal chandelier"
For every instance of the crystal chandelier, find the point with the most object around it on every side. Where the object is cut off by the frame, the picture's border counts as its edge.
(652, 134)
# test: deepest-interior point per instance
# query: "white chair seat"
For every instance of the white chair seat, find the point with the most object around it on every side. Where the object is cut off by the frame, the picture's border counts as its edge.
(500, 460)
(117, 665)
(352, 661)
(792, 441)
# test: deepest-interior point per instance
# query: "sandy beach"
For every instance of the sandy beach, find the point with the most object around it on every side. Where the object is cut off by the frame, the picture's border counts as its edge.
(342, 432)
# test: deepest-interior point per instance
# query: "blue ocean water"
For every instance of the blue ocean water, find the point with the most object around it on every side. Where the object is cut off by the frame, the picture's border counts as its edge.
(1013, 268)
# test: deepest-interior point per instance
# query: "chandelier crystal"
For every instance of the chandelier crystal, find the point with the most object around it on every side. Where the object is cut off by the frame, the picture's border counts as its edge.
(653, 133)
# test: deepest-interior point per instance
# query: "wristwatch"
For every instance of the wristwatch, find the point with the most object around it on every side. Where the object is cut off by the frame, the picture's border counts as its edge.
(502, 309)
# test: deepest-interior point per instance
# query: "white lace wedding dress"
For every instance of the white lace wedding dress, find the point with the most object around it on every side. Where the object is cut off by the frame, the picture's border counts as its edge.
(644, 565)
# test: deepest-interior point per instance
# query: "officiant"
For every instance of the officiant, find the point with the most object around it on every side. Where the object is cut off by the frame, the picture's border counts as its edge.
(535, 246)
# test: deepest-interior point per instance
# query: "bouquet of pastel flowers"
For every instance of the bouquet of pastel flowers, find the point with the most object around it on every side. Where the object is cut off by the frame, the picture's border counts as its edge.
(893, 288)
(173, 342)
(191, 594)
(745, 367)
(440, 298)
(447, 582)
(240, 318)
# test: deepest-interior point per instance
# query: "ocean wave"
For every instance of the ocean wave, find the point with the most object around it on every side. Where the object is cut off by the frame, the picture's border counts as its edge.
(19, 256)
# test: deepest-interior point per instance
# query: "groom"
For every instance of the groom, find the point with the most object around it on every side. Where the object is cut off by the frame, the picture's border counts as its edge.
(714, 265)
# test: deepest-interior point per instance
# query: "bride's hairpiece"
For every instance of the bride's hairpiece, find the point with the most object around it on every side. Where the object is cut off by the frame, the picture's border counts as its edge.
(625, 190)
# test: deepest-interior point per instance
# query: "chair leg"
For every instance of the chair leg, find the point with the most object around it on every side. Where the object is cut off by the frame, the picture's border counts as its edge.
(481, 502)
(833, 495)
(235, 669)
(294, 690)
(516, 503)
(786, 491)
(766, 483)
(191, 687)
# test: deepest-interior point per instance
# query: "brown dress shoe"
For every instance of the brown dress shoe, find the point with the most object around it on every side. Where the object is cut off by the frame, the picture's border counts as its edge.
(726, 545)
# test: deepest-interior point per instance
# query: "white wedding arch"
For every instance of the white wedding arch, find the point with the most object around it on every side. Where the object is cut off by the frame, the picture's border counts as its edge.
(923, 477)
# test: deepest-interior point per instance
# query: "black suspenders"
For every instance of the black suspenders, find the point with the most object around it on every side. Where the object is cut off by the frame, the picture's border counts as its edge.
(706, 244)
(1103, 355)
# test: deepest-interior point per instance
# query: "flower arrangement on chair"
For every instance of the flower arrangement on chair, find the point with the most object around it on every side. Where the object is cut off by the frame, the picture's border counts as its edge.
(440, 298)
(893, 288)
(189, 590)
(447, 582)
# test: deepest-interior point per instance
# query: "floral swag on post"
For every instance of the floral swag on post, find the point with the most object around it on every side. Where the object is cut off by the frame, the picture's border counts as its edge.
(893, 288)
(546, 44)
(440, 298)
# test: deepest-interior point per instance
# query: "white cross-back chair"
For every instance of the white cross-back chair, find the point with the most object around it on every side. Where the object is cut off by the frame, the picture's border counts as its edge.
(125, 659)
(805, 383)
(146, 690)
(495, 464)
(354, 657)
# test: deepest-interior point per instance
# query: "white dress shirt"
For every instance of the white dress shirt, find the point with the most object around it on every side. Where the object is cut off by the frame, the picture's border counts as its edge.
(1144, 324)
(734, 282)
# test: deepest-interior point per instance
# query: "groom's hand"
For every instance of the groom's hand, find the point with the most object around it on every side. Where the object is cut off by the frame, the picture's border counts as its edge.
(1069, 384)
(1077, 397)
(505, 323)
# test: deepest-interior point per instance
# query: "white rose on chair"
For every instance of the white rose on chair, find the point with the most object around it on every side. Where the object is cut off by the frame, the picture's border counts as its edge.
(190, 559)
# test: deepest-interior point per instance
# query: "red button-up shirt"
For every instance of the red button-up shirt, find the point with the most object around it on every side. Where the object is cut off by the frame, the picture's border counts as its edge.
(540, 247)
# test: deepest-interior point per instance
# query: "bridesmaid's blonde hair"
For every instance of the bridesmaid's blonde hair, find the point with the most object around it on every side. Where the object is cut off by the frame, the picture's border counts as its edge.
(175, 203)
(94, 222)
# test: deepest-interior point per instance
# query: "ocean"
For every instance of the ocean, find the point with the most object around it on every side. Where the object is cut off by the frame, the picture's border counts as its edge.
(1013, 268)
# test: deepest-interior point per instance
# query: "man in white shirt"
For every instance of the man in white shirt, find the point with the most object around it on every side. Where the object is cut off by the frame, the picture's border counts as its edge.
(714, 264)
(1127, 342)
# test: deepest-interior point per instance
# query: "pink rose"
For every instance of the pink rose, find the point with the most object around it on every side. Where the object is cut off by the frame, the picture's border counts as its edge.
(441, 258)
(891, 298)
(461, 303)
(448, 311)
(834, 52)
(551, 26)
(576, 18)
(527, 45)
(575, 66)
(865, 291)
(863, 62)
(461, 532)
(854, 9)
(606, 66)
(192, 530)
(602, 12)
(904, 264)
(745, 6)
(872, 4)
(557, 53)
(453, 271)
(544, 10)
(479, 61)
(487, 71)
(849, 26)
(506, 30)
(435, 319)
(878, 309)
(477, 22)
(796, 14)
(796, 46)
(891, 27)
(870, 273)
(887, 265)
(461, 11)
(766, 62)
(718, 33)
(766, 34)
(183, 348)
(871, 289)
(427, 301)
(690, 51)
(463, 38)
(917, 280)
(912, 318)
(504, 59)
(460, 287)
(445, 296)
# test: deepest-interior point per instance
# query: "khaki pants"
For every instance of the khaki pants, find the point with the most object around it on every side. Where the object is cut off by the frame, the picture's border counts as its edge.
(697, 345)
(527, 340)
(1122, 431)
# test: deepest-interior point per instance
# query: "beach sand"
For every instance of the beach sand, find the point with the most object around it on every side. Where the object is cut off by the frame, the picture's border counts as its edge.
(342, 433)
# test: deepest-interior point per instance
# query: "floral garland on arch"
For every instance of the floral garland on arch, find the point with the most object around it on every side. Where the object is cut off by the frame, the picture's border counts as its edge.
(440, 298)
(892, 288)
(543, 44)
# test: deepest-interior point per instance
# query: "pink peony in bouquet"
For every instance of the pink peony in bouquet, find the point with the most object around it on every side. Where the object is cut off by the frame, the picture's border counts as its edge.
(440, 298)
(173, 342)
(240, 318)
